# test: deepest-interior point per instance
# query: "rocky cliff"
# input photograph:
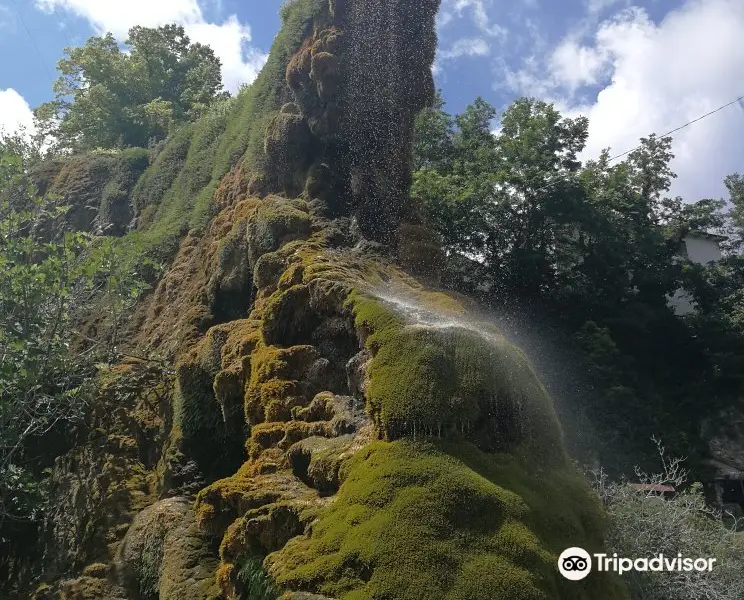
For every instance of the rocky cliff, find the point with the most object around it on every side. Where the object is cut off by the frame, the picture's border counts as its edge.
(319, 412)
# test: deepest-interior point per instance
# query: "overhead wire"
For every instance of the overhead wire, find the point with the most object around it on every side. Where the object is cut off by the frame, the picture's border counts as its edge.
(63, 26)
(738, 101)
(720, 108)
(19, 16)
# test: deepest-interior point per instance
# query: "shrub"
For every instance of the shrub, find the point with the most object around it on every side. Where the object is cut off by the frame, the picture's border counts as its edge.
(641, 524)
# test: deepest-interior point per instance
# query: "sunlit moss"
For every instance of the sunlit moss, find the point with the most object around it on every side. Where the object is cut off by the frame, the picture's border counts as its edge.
(415, 520)
(449, 381)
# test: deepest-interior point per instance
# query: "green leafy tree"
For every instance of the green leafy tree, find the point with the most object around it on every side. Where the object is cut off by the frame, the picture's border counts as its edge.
(48, 280)
(502, 198)
(109, 98)
(39, 384)
(596, 246)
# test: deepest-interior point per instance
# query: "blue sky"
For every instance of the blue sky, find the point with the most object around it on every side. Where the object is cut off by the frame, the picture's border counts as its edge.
(632, 67)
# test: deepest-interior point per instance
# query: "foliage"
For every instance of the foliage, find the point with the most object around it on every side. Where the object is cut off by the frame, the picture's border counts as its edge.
(594, 245)
(39, 386)
(735, 185)
(255, 581)
(47, 282)
(115, 274)
(642, 524)
(109, 97)
(176, 193)
(115, 212)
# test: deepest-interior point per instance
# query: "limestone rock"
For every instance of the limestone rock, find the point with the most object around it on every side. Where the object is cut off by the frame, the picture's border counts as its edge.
(164, 555)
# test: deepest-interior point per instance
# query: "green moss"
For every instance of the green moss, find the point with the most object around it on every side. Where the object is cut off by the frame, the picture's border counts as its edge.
(453, 382)
(197, 415)
(116, 210)
(268, 270)
(274, 222)
(275, 378)
(288, 317)
(79, 183)
(176, 193)
(179, 187)
(293, 276)
(317, 461)
(415, 520)
(196, 410)
(245, 137)
(157, 180)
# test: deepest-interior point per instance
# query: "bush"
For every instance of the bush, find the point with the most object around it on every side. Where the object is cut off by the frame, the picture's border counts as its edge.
(46, 287)
(641, 524)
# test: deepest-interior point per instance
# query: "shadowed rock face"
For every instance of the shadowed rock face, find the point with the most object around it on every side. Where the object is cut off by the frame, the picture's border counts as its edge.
(359, 79)
(389, 52)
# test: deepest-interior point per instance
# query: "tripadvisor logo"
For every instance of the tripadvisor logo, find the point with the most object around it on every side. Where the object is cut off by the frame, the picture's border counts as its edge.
(576, 563)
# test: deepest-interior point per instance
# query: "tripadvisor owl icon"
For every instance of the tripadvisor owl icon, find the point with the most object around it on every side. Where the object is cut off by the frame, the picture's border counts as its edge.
(575, 563)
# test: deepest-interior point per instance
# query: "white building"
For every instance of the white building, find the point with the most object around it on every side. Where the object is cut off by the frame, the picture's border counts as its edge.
(702, 249)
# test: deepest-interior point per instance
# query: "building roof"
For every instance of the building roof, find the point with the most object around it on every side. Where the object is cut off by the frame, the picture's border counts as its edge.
(707, 236)
(653, 487)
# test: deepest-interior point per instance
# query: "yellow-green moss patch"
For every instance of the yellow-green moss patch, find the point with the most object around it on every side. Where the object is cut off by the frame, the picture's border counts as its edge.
(415, 520)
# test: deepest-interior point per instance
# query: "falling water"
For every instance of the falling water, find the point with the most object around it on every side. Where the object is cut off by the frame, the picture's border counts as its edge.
(555, 364)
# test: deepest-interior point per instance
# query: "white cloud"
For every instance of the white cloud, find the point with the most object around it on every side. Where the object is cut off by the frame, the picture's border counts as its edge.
(478, 12)
(577, 65)
(6, 17)
(240, 62)
(15, 113)
(229, 39)
(466, 47)
(594, 7)
(444, 18)
(652, 77)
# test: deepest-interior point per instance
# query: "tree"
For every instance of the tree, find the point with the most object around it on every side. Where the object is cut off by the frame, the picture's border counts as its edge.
(735, 185)
(48, 280)
(109, 98)
(39, 386)
(595, 246)
(503, 198)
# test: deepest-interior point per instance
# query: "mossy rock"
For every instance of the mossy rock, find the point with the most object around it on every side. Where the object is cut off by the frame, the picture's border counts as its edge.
(317, 461)
(198, 417)
(325, 72)
(275, 222)
(418, 520)
(233, 280)
(302, 596)
(277, 381)
(79, 184)
(165, 556)
(286, 148)
(261, 530)
(196, 411)
(116, 209)
(450, 381)
(288, 317)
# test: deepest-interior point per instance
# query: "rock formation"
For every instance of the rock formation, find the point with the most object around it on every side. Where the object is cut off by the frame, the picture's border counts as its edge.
(319, 409)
